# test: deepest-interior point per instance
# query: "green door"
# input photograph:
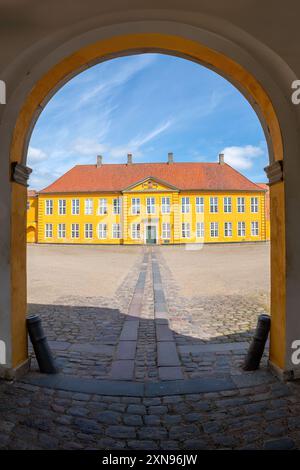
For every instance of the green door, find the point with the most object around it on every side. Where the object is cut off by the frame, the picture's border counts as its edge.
(150, 234)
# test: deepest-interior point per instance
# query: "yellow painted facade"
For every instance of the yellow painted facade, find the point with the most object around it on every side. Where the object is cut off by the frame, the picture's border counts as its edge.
(32, 218)
(151, 212)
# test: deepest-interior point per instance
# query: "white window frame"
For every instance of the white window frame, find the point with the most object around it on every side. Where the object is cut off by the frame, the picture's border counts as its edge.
(135, 206)
(241, 229)
(227, 204)
(61, 231)
(200, 230)
(116, 206)
(165, 205)
(102, 231)
(166, 230)
(48, 230)
(75, 206)
(214, 229)
(185, 205)
(88, 231)
(49, 206)
(241, 204)
(116, 231)
(102, 206)
(136, 231)
(185, 230)
(254, 205)
(75, 231)
(199, 204)
(254, 229)
(227, 229)
(62, 207)
(150, 205)
(88, 206)
(213, 205)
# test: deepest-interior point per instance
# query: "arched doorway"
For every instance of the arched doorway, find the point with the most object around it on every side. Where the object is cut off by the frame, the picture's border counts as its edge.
(129, 44)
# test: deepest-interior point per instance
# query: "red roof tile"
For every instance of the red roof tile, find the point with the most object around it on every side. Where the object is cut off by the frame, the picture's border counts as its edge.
(118, 177)
(31, 193)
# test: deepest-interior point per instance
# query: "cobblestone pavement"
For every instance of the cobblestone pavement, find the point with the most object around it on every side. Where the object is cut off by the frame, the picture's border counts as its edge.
(85, 334)
(264, 417)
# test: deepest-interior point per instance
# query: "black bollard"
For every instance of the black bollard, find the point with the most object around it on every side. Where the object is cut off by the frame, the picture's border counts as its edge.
(257, 346)
(40, 345)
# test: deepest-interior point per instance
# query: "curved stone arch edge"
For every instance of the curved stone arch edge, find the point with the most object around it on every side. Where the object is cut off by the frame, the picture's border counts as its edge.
(33, 107)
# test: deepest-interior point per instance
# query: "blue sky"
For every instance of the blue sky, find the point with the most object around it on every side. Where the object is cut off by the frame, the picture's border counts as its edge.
(147, 105)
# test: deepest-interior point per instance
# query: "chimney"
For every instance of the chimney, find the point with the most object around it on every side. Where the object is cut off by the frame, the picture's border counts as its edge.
(99, 161)
(129, 159)
(221, 159)
(170, 157)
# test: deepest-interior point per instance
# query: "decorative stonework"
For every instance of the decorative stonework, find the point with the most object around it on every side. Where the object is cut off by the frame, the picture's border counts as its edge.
(275, 172)
(20, 173)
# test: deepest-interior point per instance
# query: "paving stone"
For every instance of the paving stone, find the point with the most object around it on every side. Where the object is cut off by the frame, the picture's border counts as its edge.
(142, 445)
(126, 350)
(121, 432)
(108, 417)
(136, 409)
(130, 330)
(122, 370)
(167, 354)
(284, 443)
(133, 420)
(155, 432)
(170, 373)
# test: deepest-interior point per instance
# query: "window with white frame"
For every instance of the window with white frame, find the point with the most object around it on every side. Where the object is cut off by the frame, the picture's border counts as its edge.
(136, 231)
(241, 204)
(228, 229)
(254, 204)
(62, 207)
(116, 207)
(227, 204)
(150, 205)
(75, 206)
(213, 204)
(88, 207)
(135, 205)
(165, 205)
(75, 231)
(166, 230)
(48, 230)
(185, 205)
(102, 207)
(88, 230)
(200, 230)
(214, 229)
(241, 229)
(254, 229)
(102, 231)
(49, 207)
(199, 204)
(185, 230)
(61, 230)
(116, 230)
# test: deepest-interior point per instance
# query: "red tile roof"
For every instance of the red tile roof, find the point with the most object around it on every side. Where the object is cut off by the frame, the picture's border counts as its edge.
(31, 193)
(118, 177)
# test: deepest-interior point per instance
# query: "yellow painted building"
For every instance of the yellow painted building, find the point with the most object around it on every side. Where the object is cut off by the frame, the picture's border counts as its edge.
(32, 216)
(151, 203)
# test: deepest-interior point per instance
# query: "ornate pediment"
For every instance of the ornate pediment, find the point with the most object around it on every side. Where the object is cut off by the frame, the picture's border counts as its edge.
(150, 184)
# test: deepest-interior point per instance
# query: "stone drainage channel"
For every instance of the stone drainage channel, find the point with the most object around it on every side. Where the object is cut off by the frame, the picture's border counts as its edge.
(171, 380)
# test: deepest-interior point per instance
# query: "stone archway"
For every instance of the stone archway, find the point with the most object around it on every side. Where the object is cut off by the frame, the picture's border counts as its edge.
(104, 50)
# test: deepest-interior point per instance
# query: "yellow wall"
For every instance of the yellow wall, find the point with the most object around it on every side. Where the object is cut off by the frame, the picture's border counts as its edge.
(32, 219)
(175, 218)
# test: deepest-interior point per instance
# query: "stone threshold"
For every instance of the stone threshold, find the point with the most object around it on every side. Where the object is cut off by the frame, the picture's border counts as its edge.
(148, 389)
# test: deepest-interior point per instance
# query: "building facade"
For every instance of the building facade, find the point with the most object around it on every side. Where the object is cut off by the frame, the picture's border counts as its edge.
(150, 203)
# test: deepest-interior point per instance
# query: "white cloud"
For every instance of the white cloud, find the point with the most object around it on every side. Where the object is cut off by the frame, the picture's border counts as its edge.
(88, 147)
(242, 158)
(36, 155)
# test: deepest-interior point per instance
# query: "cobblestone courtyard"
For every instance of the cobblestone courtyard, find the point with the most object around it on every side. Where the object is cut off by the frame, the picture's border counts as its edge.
(154, 316)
